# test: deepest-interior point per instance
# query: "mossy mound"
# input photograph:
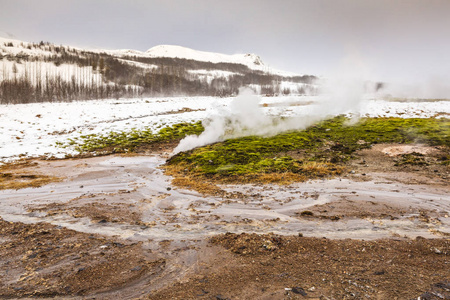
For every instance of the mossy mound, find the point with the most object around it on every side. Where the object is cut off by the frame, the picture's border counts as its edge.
(319, 151)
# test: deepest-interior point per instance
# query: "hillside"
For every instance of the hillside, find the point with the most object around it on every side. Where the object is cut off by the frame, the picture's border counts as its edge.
(37, 72)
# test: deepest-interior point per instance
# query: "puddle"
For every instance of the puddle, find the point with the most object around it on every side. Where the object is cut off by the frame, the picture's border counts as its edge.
(166, 212)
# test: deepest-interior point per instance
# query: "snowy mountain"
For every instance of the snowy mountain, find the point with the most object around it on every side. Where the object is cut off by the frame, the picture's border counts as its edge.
(35, 72)
(252, 61)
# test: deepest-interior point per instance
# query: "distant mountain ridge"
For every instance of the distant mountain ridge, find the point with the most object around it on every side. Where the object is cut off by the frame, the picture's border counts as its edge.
(253, 61)
(250, 60)
(35, 72)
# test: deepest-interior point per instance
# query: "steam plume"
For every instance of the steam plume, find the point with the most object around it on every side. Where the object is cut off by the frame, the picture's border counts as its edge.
(244, 116)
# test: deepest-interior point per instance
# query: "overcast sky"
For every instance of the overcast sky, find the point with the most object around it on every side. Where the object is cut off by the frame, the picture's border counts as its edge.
(394, 40)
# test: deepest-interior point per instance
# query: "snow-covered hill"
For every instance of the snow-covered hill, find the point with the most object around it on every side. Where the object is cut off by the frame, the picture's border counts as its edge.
(31, 72)
(250, 60)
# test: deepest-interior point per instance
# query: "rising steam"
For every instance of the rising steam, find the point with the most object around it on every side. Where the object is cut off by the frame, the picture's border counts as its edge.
(245, 116)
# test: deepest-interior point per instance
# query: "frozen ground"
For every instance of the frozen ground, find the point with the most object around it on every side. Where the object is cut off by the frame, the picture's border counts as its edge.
(34, 129)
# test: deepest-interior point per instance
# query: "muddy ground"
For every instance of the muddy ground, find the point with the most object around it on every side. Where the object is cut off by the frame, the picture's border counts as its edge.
(115, 228)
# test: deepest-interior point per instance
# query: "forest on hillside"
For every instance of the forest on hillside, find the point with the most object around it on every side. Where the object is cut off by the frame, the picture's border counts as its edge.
(28, 78)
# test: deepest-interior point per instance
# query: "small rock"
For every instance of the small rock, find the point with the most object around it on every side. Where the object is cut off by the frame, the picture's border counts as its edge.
(436, 250)
(427, 296)
(169, 188)
(299, 290)
(202, 293)
(103, 221)
(220, 297)
(138, 268)
(352, 172)
(81, 186)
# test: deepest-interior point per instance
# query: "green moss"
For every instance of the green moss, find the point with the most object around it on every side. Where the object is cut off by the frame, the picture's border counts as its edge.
(329, 142)
(129, 141)
(413, 159)
(318, 151)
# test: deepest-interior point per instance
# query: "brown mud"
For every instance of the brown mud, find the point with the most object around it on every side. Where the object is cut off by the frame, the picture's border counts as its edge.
(116, 228)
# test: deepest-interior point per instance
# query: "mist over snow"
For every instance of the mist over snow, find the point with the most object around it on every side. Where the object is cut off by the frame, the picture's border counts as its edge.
(435, 87)
(344, 92)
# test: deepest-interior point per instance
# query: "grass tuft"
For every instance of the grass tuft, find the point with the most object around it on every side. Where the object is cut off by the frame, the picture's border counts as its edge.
(14, 176)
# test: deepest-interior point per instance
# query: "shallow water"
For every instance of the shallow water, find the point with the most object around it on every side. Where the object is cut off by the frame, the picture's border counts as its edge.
(178, 214)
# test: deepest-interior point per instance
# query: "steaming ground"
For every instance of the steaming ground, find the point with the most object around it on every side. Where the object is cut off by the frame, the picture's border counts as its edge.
(114, 227)
(32, 130)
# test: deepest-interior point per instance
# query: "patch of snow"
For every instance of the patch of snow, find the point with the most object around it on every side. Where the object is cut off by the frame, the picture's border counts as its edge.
(209, 75)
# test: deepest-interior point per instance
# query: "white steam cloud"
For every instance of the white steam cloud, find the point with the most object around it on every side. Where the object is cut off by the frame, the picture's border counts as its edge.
(435, 87)
(245, 116)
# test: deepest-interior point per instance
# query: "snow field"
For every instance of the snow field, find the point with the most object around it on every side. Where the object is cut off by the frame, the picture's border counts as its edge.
(34, 129)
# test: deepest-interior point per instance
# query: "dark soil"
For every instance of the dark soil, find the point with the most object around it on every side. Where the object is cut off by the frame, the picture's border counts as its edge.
(42, 260)
(278, 267)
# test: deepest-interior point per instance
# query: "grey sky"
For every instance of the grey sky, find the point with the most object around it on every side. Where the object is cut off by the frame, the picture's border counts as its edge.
(396, 40)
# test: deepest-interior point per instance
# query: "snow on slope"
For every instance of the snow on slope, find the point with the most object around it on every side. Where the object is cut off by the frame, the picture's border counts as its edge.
(20, 47)
(209, 75)
(38, 71)
(253, 61)
(183, 52)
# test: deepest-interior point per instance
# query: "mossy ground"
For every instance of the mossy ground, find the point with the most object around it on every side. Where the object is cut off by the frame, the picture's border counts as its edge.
(319, 151)
(131, 141)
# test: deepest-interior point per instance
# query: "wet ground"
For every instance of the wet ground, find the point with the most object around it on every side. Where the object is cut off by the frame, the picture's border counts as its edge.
(119, 218)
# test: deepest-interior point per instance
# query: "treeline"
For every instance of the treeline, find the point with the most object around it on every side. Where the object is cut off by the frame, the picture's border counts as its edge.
(21, 90)
(101, 75)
